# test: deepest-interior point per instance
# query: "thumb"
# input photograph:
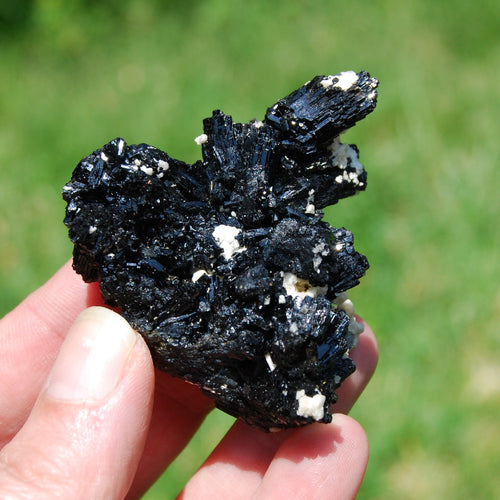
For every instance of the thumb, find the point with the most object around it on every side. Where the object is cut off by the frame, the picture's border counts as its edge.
(85, 434)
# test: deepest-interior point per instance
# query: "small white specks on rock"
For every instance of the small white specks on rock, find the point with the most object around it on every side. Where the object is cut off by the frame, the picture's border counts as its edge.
(198, 274)
(163, 165)
(121, 144)
(92, 229)
(201, 139)
(310, 406)
(225, 237)
(348, 307)
(355, 328)
(343, 156)
(104, 157)
(327, 82)
(298, 287)
(270, 362)
(147, 170)
(258, 124)
(345, 79)
(317, 260)
(321, 248)
(310, 208)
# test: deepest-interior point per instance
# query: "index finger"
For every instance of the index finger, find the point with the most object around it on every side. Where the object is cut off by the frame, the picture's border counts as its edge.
(31, 336)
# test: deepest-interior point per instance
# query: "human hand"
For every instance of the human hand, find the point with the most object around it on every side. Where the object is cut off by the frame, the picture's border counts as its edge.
(77, 418)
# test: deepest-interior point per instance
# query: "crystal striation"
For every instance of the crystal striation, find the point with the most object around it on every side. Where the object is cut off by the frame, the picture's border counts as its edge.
(225, 266)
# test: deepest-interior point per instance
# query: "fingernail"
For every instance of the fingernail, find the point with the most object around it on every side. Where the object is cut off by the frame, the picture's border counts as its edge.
(93, 356)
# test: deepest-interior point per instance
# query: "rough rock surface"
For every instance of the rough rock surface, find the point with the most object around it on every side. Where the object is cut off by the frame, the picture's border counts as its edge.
(225, 266)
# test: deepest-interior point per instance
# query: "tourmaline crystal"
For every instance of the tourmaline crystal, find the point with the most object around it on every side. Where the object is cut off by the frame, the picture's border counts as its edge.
(225, 266)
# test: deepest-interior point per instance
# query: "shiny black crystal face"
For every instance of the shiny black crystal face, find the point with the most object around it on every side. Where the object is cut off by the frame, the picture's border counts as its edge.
(225, 266)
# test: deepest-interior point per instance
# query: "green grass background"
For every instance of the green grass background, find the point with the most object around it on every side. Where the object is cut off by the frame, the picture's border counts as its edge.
(74, 75)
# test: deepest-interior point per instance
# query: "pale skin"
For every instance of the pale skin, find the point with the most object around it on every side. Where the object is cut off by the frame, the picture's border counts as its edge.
(83, 414)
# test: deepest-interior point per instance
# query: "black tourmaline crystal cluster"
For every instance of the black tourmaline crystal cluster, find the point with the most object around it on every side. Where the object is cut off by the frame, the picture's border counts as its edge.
(225, 266)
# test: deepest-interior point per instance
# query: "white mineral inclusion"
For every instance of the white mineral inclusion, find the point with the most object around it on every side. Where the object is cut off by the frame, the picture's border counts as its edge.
(345, 80)
(310, 208)
(270, 362)
(225, 237)
(310, 406)
(201, 139)
(147, 170)
(121, 143)
(355, 328)
(163, 165)
(298, 287)
(198, 274)
(345, 156)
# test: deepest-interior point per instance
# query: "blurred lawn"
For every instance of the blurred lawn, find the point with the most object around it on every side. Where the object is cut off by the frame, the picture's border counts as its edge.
(74, 75)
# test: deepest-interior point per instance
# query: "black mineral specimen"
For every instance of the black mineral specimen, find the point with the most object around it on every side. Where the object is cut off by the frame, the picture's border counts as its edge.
(225, 266)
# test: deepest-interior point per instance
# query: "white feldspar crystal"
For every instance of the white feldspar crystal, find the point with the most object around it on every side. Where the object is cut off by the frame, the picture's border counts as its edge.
(298, 287)
(355, 328)
(147, 170)
(343, 156)
(311, 406)
(201, 139)
(345, 80)
(270, 362)
(163, 165)
(310, 207)
(225, 237)
(121, 144)
(198, 274)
